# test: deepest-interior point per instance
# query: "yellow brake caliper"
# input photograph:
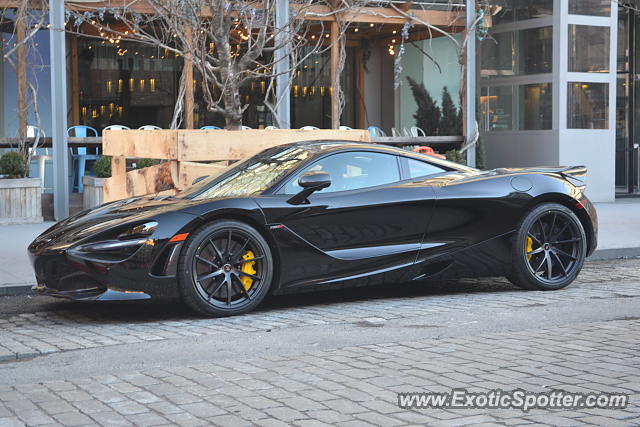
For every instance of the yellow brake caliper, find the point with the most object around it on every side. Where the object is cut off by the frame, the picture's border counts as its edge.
(529, 247)
(247, 267)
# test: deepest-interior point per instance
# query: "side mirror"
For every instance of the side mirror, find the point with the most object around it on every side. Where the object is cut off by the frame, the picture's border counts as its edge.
(310, 183)
(198, 179)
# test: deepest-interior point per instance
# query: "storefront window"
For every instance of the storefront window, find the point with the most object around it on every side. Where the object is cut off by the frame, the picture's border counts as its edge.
(518, 53)
(518, 10)
(588, 105)
(496, 105)
(588, 49)
(590, 7)
(128, 83)
(537, 100)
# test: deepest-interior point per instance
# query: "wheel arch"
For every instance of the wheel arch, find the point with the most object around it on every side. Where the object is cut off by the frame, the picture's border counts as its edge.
(570, 203)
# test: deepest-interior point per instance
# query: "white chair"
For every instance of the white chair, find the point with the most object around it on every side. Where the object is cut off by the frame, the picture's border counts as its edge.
(309, 128)
(38, 134)
(271, 128)
(416, 132)
(345, 128)
(116, 127)
(149, 127)
(246, 127)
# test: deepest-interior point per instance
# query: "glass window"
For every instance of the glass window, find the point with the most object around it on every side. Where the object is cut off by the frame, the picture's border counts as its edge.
(516, 53)
(419, 168)
(588, 49)
(537, 101)
(496, 108)
(518, 10)
(588, 105)
(590, 7)
(351, 171)
(130, 84)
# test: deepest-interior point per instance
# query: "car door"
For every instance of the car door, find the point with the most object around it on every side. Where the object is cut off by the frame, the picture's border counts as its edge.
(369, 220)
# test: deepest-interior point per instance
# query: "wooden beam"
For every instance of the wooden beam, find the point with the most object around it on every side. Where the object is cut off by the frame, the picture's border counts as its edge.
(22, 78)
(75, 90)
(188, 90)
(361, 108)
(334, 39)
(382, 15)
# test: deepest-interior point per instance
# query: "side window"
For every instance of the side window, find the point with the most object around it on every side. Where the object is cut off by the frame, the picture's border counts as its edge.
(351, 171)
(419, 168)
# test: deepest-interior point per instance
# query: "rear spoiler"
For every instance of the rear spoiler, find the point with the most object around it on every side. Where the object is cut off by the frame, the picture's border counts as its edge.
(576, 172)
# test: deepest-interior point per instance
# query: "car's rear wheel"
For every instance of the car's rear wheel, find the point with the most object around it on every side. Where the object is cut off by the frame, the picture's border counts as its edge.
(549, 248)
(225, 269)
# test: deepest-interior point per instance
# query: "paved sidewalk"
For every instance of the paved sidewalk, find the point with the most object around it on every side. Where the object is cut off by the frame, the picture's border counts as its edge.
(619, 236)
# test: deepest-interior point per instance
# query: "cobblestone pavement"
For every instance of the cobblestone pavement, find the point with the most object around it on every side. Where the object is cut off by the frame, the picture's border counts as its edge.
(354, 385)
(347, 386)
(31, 334)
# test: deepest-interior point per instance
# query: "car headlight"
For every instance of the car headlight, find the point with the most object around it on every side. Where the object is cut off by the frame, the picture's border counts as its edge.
(119, 248)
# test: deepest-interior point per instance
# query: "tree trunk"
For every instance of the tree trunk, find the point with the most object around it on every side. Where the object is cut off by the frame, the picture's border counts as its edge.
(232, 106)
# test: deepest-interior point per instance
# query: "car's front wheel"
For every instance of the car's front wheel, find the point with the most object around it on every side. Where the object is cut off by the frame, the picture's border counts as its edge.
(225, 269)
(549, 248)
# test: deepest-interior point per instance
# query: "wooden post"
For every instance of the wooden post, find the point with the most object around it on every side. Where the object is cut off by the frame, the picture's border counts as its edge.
(335, 76)
(22, 78)
(361, 108)
(188, 90)
(75, 90)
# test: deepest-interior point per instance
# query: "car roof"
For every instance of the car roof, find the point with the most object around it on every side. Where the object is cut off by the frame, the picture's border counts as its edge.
(325, 146)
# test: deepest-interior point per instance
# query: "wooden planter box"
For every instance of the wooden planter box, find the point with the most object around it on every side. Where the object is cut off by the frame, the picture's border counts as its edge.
(92, 193)
(189, 154)
(20, 201)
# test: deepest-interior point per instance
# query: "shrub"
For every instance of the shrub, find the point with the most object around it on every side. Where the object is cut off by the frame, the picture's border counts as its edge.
(102, 167)
(456, 157)
(145, 163)
(13, 164)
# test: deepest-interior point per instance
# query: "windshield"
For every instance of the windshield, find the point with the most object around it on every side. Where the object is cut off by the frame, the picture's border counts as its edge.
(249, 177)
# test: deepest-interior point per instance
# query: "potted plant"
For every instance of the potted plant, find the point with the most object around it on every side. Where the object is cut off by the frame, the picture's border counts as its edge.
(20, 196)
(93, 185)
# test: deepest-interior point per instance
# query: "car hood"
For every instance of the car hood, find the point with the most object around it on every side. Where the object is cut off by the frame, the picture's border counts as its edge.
(109, 216)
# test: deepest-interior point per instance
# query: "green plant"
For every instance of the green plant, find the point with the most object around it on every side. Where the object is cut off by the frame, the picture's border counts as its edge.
(428, 114)
(456, 157)
(13, 164)
(102, 167)
(145, 163)
(451, 120)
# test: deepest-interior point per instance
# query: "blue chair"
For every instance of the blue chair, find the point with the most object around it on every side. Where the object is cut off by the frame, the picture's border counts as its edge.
(210, 128)
(375, 131)
(81, 155)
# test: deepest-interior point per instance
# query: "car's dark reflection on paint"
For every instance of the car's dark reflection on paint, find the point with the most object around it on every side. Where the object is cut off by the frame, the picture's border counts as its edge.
(323, 214)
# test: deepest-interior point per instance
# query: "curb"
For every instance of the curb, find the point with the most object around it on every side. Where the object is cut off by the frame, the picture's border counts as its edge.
(15, 290)
(618, 253)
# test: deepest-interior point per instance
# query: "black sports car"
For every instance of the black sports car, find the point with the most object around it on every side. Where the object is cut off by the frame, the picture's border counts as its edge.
(318, 214)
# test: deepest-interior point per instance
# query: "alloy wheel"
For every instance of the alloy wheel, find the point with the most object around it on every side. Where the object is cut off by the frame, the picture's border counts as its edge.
(228, 268)
(553, 247)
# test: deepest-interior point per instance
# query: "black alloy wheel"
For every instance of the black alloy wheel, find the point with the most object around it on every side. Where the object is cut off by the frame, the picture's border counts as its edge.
(549, 248)
(226, 268)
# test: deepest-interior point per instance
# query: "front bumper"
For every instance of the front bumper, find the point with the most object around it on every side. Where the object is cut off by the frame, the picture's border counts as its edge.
(63, 273)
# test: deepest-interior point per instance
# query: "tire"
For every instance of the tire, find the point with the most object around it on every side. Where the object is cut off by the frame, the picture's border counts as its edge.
(548, 249)
(225, 269)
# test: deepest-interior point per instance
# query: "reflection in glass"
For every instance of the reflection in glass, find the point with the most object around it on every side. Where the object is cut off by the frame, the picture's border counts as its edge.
(518, 53)
(588, 49)
(496, 108)
(588, 105)
(507, 11)
(537, 100)
(590, 7)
